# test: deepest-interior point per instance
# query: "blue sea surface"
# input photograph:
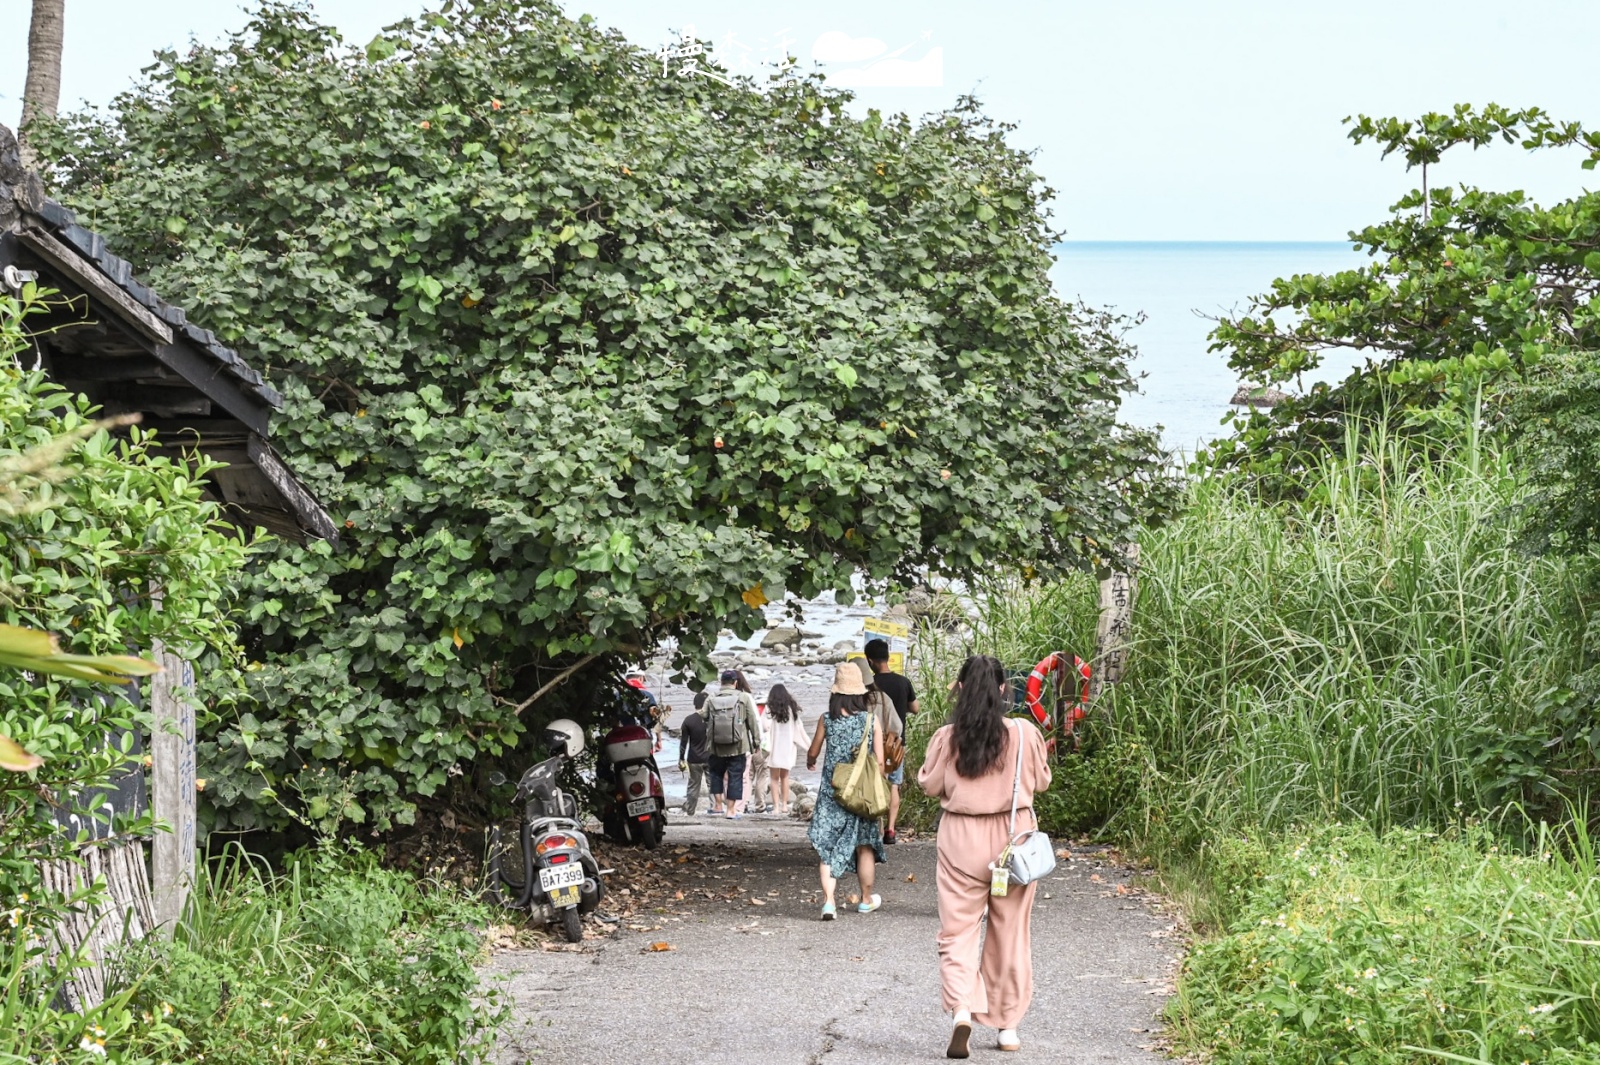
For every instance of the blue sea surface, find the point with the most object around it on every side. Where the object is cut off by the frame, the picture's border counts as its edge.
(1178, 286)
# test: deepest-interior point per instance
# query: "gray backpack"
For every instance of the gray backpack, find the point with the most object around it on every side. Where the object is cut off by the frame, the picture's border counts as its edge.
(722, 718)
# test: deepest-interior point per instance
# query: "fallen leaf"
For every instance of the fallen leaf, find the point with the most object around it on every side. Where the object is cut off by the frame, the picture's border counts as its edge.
(911, 878)
(680, 861)
(758, 902)
(677, 896)
(658, 948)
(1095, 878)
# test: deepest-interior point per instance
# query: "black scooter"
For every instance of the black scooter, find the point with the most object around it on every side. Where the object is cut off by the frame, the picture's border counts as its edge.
(547, 867)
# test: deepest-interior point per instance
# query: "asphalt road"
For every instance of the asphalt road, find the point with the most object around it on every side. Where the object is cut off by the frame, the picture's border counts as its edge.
(771, 984)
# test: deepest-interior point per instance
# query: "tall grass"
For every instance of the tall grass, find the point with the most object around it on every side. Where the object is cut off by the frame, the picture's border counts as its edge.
(1354, 657)
(1360, 655)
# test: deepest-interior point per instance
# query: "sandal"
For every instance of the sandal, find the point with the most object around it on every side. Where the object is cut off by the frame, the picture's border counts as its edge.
(828, 912)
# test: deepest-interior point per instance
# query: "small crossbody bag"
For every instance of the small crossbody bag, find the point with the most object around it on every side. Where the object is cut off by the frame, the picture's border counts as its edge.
(1030, 856)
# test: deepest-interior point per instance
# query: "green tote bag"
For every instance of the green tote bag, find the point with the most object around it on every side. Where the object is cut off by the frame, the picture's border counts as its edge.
(859, 785)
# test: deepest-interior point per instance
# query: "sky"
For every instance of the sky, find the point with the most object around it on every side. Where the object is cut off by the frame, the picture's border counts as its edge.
(1205, 120)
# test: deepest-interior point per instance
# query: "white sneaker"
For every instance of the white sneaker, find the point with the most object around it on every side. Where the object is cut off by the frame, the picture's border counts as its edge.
(1009, 1039)
(960, 1035)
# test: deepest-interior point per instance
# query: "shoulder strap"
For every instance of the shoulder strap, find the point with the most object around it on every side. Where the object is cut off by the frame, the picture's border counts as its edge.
(1016, 780)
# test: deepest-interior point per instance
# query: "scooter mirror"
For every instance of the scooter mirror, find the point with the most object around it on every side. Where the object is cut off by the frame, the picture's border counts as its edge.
(497, 778)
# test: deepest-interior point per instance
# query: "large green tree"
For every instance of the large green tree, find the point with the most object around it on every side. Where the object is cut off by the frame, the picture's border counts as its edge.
(585, 352)
(1468, 295)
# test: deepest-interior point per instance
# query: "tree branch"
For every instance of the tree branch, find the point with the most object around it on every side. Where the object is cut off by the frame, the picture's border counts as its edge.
(560, 678)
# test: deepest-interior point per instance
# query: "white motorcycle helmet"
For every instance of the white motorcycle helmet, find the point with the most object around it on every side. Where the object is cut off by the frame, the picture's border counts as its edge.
(564, 734)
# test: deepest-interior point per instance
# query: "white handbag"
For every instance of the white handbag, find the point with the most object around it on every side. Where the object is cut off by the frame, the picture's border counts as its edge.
(1030, 856)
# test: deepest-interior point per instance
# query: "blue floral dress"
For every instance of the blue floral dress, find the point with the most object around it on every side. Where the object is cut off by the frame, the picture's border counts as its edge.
(836, 832)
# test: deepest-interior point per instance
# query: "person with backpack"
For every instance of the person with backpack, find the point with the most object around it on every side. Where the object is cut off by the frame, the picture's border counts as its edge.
(733, 729)
(899, 691)
(893, 728)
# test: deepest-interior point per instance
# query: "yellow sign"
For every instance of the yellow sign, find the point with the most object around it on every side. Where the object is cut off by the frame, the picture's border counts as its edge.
(894, 633)
(889, 630)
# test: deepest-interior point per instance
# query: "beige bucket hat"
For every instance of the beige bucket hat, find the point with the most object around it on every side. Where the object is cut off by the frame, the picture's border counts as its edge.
(847, 680)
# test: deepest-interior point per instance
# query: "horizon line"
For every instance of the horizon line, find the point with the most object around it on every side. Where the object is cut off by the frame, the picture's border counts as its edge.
(1162, 240)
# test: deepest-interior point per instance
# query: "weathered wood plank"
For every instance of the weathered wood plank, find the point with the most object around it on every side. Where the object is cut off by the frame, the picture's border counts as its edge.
(172, 775)
(304, 504)
(92, 933)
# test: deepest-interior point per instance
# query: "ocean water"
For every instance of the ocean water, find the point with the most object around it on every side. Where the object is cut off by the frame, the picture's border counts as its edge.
(1178, 286)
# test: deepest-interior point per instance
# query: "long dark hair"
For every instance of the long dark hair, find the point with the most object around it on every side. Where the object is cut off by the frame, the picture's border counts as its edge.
(781, 705)
(741, 682)
(978, 723)
(839, 705)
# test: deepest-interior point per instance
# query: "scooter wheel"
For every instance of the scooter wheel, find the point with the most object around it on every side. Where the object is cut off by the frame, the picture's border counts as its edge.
(650, 832)
(572, 924)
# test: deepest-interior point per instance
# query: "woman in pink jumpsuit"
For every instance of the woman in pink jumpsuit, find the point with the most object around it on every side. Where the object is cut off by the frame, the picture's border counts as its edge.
(969, 768)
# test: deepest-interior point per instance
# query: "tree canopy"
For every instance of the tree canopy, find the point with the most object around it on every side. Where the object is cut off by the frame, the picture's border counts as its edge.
(1475, 303)
(585, 354)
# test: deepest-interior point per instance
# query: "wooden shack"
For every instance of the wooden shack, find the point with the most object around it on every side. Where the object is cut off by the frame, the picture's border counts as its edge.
(129, 350)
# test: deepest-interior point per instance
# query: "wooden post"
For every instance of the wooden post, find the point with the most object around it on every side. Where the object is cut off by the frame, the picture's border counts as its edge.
(172, 787)
(1115, 629)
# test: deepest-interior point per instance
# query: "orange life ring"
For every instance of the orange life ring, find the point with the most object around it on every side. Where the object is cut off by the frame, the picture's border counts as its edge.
(1047, 665)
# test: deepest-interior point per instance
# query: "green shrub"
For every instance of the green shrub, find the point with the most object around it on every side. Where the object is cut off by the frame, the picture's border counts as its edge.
(1368, 948)
(335, 960)
(1090, 787)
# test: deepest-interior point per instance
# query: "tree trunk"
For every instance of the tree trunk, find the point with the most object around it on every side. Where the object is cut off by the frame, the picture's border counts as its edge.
(41, 94)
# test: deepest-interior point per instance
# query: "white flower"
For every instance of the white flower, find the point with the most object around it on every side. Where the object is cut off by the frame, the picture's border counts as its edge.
(1543, 1007)
(91, 1046)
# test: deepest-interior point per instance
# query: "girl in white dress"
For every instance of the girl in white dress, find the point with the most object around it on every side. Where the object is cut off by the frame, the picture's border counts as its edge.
(788, 739)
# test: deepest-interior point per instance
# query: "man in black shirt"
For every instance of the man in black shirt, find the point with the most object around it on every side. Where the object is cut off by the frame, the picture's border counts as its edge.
(904, 698)
(693, 754)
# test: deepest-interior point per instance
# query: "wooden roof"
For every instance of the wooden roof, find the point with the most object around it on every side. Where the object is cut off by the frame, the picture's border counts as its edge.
(128, 350)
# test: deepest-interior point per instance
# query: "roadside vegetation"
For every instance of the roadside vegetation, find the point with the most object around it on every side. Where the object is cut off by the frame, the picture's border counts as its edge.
(1357, 739)
(583, 358)
(334, 960)
(1340, 748)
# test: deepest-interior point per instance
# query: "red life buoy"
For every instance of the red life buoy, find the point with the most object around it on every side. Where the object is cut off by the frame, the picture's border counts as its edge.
(1049, 664)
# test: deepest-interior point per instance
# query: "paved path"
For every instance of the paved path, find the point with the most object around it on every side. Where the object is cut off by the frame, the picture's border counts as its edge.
(771, 984)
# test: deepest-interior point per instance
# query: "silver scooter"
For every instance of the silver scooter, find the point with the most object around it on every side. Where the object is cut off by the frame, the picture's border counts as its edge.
(547, 867)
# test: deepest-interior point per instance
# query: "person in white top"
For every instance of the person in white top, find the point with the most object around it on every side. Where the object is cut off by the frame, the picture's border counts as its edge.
(789, 737)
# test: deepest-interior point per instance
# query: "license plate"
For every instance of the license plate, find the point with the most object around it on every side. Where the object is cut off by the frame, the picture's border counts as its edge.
(556, 877)
(641, 807)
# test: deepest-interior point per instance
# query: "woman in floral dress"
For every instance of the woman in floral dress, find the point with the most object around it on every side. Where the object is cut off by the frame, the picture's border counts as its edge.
(845, 843)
